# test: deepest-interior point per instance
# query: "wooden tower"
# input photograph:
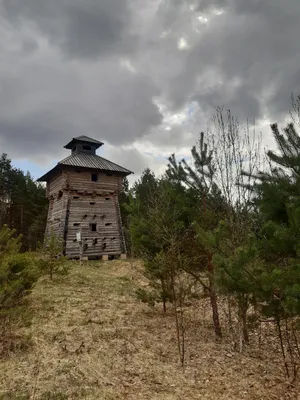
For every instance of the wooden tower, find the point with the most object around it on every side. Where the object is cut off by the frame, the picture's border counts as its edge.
(84, 210)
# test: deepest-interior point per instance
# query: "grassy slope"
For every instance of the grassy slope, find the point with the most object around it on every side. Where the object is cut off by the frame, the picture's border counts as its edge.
(93, 340)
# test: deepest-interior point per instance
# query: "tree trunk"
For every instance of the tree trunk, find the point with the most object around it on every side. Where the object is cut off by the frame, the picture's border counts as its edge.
(229, 314)
(164, 297)
(243, 308)
(164, 305)
(245, 327)
(213, 299)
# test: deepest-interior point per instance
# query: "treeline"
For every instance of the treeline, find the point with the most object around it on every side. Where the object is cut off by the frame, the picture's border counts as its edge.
(23, 204)
(228, 220)
(23, 213)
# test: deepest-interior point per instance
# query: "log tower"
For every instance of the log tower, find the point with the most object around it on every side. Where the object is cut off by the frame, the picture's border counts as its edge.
(84, 210)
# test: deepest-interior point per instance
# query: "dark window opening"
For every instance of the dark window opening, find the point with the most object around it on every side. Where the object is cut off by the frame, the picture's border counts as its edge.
(76, 224)
(93, 227)
(108, 223)
(60, 193)
(86, 147)
(107, 198)
(94, 177)
(92, 203)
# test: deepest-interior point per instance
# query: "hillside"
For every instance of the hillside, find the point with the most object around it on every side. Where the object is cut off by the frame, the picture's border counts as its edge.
(91, 339)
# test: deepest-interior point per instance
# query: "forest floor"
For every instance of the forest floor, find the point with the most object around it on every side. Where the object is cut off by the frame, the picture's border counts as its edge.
(90, 338)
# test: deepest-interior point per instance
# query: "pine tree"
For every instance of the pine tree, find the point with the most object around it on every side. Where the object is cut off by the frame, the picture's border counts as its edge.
(200, 178)
(52, 255)
(23, 204)
(124, 202)
(18, 273)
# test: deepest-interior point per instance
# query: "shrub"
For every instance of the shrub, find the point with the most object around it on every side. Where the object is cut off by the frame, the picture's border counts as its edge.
(18, 274)
(146, 297)
(53, 261)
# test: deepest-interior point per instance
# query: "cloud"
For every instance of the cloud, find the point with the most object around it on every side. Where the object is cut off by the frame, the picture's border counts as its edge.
(240, 58)
(129, 72)
(44, 101)
(85, 29)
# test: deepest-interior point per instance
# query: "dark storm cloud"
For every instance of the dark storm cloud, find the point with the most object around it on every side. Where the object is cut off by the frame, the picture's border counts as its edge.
(87, 29)
(98, 67)
(43, 106)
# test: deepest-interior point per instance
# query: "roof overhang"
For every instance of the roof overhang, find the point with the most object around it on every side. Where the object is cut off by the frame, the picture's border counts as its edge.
(73, 142)
(49, 174)
(46, 177)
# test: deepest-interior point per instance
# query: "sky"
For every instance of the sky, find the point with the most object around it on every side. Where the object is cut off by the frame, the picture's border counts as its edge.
(143, 76)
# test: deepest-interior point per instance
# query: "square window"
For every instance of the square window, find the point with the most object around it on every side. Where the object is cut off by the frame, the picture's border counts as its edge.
(94, 177)
(93, 227)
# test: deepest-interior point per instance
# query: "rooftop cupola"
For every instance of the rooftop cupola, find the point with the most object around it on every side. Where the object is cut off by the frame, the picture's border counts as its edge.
(83, 144)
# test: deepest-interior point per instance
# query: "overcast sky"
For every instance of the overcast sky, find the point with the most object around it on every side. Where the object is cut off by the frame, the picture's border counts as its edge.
(143, 76)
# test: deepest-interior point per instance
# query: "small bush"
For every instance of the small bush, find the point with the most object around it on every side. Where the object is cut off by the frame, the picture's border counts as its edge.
(146, 297)
(57, 266)
(52, 261)
(18, 274)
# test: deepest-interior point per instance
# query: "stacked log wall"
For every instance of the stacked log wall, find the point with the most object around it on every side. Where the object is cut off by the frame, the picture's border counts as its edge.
(76, 202)
(57, 205)
(80, 181)
(85, 210)
(56, 184)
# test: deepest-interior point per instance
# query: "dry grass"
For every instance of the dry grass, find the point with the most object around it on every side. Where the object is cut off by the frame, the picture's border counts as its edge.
(93, 340)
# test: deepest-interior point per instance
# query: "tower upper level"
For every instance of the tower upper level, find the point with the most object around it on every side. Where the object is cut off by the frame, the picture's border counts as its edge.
(84, 158)
(83, 144)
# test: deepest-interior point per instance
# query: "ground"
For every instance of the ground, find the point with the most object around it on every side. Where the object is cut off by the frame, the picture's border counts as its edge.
(90, 338)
